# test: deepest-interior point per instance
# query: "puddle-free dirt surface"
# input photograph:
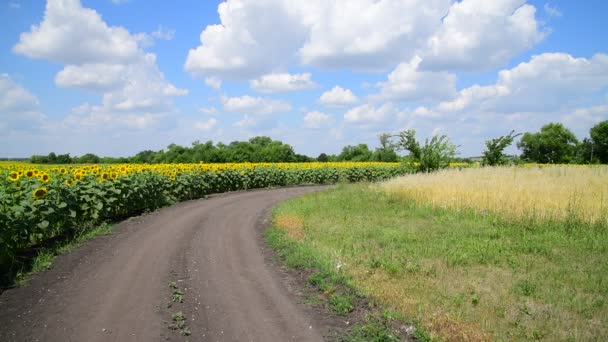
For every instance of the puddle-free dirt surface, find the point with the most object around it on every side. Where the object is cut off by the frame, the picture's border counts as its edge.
(115, 288)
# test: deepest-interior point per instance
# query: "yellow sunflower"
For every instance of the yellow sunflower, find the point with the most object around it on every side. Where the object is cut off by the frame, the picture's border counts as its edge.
(105, 175)
(13, 176)
(40, 193)
(44, 178)
(29, 173)
(69, 182)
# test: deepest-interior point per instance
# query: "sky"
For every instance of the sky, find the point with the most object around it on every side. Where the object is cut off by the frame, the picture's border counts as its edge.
(115, 77)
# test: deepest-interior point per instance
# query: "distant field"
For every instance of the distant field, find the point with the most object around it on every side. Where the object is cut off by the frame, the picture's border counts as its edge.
(512, 254)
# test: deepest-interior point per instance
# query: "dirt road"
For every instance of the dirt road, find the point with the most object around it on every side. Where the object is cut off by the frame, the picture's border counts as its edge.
(116, 287)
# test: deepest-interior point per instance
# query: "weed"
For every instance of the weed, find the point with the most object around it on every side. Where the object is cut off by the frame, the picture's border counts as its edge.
(341, 304)
(177, 296)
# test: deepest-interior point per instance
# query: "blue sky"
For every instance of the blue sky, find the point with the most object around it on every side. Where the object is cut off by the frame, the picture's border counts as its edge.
(118, 77)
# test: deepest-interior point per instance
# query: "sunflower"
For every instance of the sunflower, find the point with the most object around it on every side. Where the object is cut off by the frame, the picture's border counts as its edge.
(69, 182)
(114, 175)
(105, 175)
(44, 178)
(29, 173)
(40, 193)
(36, 172)
(78, 176)
(13, 176)
(63, 171)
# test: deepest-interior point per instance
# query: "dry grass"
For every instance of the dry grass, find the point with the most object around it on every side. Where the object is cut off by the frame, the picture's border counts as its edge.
(292, 225)
(549, 192)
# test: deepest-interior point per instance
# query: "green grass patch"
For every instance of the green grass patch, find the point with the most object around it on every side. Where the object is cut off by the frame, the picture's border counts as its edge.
(476, 276)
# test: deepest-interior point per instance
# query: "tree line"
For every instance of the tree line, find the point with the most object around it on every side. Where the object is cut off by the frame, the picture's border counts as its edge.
(554, 143)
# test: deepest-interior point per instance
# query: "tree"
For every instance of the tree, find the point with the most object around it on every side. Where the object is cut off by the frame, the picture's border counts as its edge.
(494, 155)
(553, 144)
(358, 153)
(89, 158)
(599, 141)
(323, 158)
(386, 151)
(433, 155)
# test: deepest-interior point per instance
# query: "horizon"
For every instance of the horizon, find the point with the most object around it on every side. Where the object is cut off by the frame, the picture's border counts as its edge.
(116, 77)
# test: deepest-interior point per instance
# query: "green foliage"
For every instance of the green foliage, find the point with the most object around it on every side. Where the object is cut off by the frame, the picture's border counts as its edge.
(435, 154)
(493, 155)
(554, 144)
(599, 139)
(323, 158)
(359, 153)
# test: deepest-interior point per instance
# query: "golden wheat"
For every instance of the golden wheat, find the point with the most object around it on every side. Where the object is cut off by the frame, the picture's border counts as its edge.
(547, 192)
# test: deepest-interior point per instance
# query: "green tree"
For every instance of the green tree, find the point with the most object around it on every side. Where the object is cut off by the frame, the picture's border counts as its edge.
(599, 141)
(435, 154)
(89, 158)
(553, 144)
(323, 158)
(493, 155)
(358, 153)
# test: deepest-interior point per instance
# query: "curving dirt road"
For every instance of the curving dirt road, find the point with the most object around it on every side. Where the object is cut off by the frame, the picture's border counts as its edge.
(116, 287)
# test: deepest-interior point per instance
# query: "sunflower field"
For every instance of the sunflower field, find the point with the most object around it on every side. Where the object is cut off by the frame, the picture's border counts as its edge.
(38, 204)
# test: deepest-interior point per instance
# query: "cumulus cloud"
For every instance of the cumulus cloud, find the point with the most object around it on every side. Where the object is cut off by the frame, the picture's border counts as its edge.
(255, 105)
(338, 97)
(213, 82)
(480, 35)
(71, 34)
(316, 119)
(102, 59)
(206, 125)
(407, 83)
(367, 114)
(19, 109)
(282, 82)
(369, 35)
(208, 110)
(548, 82)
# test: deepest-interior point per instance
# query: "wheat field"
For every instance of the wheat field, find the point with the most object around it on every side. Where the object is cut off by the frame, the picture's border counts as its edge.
(538, 192)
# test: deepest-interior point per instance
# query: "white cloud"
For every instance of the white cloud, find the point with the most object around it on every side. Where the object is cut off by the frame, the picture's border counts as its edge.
(367, 34)
(213, 82)
(205, 125)
(163, 33)
(282, 82)
(254, 38)
(208, 110)
(481, 34)
(19, 109)
(71, 34)
(246, 122)
(93, 77)
(407, 83)
(338, 97)
(316, 119)
(260, 37)
(255, 105)
(367, 114)
(102, 59)
(14, 5)
(548, 82)
(552, 11)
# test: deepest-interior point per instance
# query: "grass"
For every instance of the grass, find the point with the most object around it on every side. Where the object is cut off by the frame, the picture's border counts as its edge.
(44, 259)
(461, 274)
(542, 193)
